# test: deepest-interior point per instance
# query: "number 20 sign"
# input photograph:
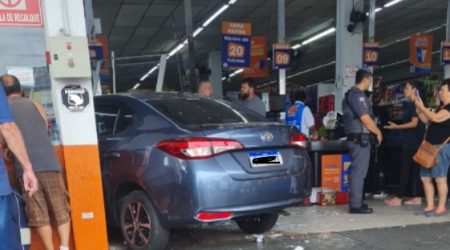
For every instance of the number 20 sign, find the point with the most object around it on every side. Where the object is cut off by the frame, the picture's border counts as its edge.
(371, 53)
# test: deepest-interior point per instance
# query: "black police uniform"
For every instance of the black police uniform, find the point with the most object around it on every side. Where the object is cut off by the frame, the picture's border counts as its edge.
(355, 105)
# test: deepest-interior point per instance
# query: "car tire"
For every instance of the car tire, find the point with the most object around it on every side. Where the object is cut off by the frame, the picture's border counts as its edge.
(257, 224)
(139, 223)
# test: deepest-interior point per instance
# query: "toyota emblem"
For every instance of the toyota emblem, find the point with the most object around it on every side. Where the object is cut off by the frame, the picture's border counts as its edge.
(267, 136)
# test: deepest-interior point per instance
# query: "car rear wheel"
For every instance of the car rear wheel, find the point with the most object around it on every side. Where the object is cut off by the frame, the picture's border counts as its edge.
(139, 223)
(257, 224)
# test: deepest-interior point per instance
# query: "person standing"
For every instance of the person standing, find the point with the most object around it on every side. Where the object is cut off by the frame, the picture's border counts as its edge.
(412, 133)
(359, 124)
(9, 235)
(51, 197)
(299, 115)
(248, 97)
(438, 132)
(205, 89)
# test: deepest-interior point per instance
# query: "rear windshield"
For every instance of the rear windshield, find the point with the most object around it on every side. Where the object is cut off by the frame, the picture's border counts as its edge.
(204, 111)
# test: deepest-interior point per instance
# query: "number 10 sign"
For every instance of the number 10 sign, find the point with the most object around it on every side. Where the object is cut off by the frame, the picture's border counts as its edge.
(445, 52)
(371, 53)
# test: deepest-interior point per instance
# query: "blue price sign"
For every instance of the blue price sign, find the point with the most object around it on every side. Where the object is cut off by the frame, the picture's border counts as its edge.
(445, 52)
(236, 44)
(371, 53)
(282, 55)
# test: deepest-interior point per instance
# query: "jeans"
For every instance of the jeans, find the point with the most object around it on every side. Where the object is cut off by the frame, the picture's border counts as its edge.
(9, 232)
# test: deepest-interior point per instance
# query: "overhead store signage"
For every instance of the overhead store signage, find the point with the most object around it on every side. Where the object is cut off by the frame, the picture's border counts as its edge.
(371, 53)
(445, 52)
(258, 58)
(420, 53)
(282, 54)
(236, 43)
(25, 13)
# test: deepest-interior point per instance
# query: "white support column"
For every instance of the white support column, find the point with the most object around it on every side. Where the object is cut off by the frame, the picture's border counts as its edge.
(215, 65)
(348, 49)
(447, 67)
(78, 133)
(281, 39)
(161, 73)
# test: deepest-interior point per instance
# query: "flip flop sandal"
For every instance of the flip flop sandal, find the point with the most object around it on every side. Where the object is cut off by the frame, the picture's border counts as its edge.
(393, 202)
(434, 214)
(423, 212)
(410, 202)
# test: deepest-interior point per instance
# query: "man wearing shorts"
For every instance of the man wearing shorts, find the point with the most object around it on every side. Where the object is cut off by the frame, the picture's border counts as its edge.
(51, 197)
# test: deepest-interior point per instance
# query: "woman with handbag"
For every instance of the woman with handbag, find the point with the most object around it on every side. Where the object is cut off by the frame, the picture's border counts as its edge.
(437, 134)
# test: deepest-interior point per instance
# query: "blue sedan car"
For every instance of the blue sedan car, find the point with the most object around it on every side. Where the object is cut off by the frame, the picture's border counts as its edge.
(171, 159)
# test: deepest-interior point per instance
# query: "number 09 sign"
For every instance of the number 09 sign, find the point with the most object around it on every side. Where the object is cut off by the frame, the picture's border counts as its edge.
(371, 53)
(282, 54)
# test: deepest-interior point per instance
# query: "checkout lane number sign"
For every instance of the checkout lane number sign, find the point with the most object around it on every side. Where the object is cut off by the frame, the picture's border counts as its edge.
(236, 43)
(23, 13)
(371, 53)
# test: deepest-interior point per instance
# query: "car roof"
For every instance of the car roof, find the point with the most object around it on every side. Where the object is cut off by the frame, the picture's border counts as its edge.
(151, 95)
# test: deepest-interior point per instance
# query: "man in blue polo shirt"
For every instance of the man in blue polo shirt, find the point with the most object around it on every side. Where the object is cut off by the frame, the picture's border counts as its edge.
(13, 138)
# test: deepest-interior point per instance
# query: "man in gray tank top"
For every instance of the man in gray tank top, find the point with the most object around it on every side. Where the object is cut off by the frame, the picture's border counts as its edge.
(51, 196)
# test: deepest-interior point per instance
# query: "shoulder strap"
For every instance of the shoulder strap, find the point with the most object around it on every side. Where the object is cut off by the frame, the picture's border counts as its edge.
(445, 143)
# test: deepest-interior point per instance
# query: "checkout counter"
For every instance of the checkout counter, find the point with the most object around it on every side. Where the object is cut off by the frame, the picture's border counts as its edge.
(319, 150)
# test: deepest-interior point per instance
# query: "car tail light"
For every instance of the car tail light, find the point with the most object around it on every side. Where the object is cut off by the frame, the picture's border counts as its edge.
(299, 140)
(213, 216)
(198, 148)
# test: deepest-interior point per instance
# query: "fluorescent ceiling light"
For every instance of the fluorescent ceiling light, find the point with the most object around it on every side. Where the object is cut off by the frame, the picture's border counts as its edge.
(197, 31)
(149, 72)
(224, 78)
(378, 9)
(237, 72)
(215, 15)
(178, 48)
(296, 46)
(137, 85)
(318, 36)
(392, 3)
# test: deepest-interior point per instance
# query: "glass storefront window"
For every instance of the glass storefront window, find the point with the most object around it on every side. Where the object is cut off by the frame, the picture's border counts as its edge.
(23, 55)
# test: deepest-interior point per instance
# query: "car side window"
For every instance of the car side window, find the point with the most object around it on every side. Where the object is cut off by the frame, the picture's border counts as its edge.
(106, 118)
(126, 120)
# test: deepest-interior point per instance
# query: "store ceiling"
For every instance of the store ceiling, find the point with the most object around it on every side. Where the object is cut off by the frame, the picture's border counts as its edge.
(140, 27)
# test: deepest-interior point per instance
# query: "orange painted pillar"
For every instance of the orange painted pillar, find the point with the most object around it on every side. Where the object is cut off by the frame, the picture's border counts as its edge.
(71, 87)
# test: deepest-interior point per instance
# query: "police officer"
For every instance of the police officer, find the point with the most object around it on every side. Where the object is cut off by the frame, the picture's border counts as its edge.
(359, 124)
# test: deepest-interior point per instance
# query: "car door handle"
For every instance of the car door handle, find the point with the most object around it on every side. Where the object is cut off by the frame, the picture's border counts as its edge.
(112, 155)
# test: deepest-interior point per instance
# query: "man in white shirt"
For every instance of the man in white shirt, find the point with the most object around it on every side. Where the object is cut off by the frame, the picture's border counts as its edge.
(300, 116)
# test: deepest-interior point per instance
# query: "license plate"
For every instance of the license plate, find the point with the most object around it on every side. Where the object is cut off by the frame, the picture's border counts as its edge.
(265, 158)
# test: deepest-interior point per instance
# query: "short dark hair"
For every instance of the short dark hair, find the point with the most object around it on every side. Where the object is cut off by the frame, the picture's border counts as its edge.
(250, 81)
(300, 95)
(13, 88)
(414, 84)
(446, 82)
(362, 74)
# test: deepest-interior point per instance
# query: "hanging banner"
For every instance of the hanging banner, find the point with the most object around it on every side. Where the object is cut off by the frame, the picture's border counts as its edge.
(24, 13)
(236, 43)
(258, 58)
(371, 53)
(420, 53)
(445, 52)
(282, 54)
